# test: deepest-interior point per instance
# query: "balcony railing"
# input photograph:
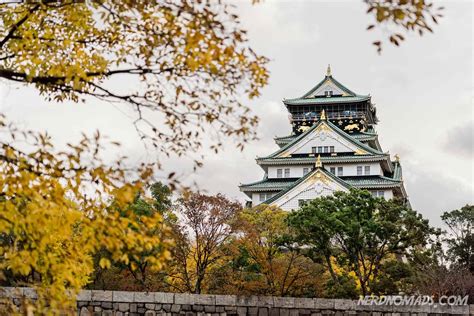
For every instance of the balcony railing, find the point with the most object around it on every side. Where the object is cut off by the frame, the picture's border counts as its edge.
(311, 116)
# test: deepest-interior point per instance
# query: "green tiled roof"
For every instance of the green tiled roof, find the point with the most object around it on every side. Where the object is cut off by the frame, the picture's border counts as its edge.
(324, 159)
(372, 182)
(335, 129)
(361, 182)
(330, 78)
(324, 100)
(268, 184)
(364, 137)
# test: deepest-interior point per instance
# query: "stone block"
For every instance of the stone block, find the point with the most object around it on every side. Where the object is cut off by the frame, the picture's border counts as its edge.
(197, 308)
(97, 309)
(184, 298)
(262, 311)
(304, 312)
(204, 299)
(167, 307)
(265, 301)
(150, 306)
(230, 308)
(457, 309)
(144, 297)
(84, 295)
(164, 298)
(294, 312)
(106, 305)
(242, 311)
(471, 309)
(101, 296)
(157, 307)
(286, 302)
(185, 307)
(252, 311)
(175, 308)
(246, 300)
(11, 292)
(225, 300)
(133, 307)
(107, 313)
(122, 296)
(274, 311)
(304, 303)
(124, 307)
(150, 313)
(345, 305)
(323, 303)
(84, 312)
(284, 312)
(220, 309)
(210, 309)
(30, 293)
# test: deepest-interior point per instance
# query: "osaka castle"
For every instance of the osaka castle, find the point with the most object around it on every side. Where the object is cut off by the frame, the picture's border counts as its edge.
(333, 147)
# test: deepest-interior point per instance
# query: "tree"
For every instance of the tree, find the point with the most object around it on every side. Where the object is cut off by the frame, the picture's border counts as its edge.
(409, 15)
(138, 275)
(260, 262)
(358, 232)
(55, 215)
(189, 62)
(460, 239)
(203, 227)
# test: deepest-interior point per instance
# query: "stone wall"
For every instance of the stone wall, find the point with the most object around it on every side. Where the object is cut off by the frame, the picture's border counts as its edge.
(119, 303)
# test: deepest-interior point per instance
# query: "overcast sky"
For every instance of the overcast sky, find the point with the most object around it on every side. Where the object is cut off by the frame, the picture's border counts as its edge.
(422, 91)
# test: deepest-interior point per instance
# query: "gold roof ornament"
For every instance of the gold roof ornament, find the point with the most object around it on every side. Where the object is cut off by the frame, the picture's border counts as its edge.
(328, 72)
(323, 115)
(397, 158)
(318, 163)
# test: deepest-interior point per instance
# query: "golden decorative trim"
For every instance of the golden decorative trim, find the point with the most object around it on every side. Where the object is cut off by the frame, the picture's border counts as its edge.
(318, 163)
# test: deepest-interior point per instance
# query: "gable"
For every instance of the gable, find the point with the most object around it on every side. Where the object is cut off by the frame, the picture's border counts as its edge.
(317, 184)
(328, 85)
(323, 135)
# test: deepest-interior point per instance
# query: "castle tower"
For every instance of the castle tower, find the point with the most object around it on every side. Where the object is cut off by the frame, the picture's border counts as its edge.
(333, 146)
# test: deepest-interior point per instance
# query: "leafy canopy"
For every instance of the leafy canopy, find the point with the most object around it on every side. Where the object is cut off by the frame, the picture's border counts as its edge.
(186, 61)
(359, 231)
(56, 214)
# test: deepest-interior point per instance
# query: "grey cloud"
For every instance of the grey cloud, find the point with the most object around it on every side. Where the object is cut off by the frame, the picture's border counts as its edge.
(460, 140)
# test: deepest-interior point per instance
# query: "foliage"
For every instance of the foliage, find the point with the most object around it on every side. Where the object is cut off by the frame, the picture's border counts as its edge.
(432, 274)
(260, 263)
(460, 239)
(409, 15)
(189, 62)
(359, 231)
(202, 228)
(55, 215)
(138, 275)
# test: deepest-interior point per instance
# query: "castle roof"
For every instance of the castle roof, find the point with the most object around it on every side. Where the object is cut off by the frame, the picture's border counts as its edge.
(317, 95)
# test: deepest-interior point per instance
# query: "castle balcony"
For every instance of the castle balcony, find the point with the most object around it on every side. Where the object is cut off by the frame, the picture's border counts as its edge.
(312, 116)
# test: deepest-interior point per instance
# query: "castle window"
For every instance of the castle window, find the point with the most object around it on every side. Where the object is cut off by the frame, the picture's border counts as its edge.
(359, 170)
(332, 170)
(326, 149)
(263, 197)
(367, 170)
(340, 171)
(302, 202)
(314, 149)
(305, 171)
(378, 193)
(279, 173)
(287, 172)
(331, 149)
(328, 93)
